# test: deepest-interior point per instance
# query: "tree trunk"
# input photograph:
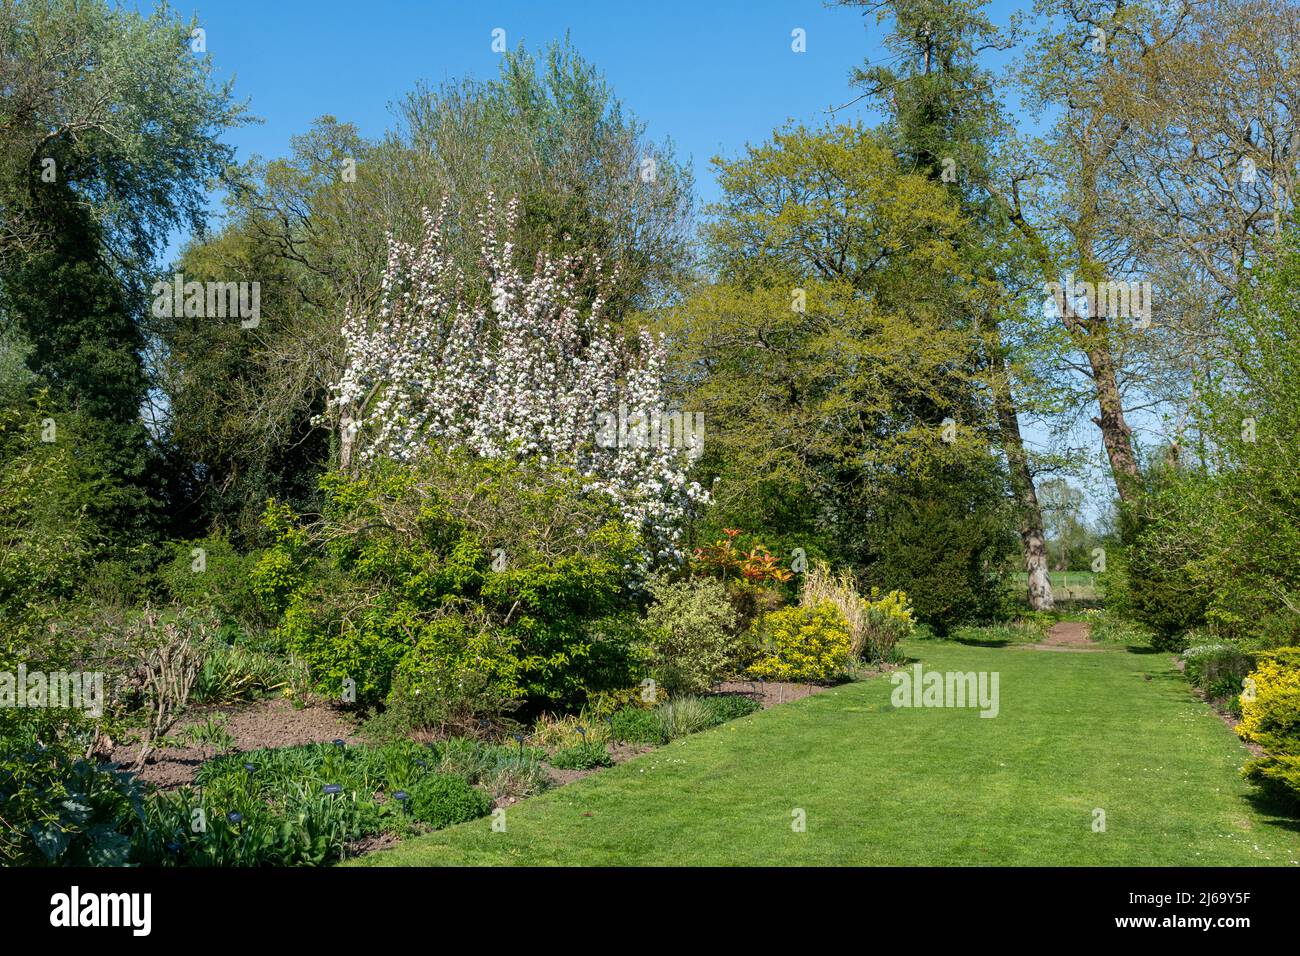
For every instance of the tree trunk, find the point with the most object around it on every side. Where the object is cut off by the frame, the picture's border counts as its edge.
(347, 440)
(1116, 434)
(1033, 541)
(1090, 334)
(1093, 336)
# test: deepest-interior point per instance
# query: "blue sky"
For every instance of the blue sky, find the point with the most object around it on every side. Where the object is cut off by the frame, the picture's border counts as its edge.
(711, 76)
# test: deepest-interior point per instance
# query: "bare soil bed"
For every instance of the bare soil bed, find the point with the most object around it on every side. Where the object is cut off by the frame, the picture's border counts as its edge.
(277, 723)
(265, 723)
(769, 693)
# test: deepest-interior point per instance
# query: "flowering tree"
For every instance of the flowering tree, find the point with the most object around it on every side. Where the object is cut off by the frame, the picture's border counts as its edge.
(531, 369)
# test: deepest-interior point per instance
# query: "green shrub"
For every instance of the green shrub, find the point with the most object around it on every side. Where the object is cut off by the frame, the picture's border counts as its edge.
(804, 643)
(725, 707)
(120, 583)
(1152, 578)
(1276, 629)
(582, 757)
(460, 670)
(1162, 599)
(1170, 642)
(1220, 536)
(957, 582)
(350, 641)
(71, 638)
(507, 577)
(282, 570)
(210, 572)
(1226, 694)
(616, 655)
(443, 799)
(638, 726)
(1216, 667)
(48, 497)
(691, 634)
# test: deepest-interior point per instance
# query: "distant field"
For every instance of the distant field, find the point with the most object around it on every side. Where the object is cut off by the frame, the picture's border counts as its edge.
(1066, 585)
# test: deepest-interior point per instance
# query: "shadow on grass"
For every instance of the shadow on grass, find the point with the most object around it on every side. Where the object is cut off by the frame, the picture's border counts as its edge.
(1276, 810)
(980, 642)
(1167, 677)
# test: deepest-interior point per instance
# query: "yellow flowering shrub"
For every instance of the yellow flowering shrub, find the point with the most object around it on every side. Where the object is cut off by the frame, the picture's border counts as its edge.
(1270, 704)
(876, 624)
(807, 643)
(1270, 717)
(888, 620)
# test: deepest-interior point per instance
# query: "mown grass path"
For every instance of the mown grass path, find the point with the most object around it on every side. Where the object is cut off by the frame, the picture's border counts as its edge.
(1076, 732)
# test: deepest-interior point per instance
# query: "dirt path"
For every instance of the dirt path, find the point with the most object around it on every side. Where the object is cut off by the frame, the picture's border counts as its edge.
(1067, 636)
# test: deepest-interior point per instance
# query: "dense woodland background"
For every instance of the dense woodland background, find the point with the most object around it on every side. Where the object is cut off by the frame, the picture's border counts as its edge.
(864, 321)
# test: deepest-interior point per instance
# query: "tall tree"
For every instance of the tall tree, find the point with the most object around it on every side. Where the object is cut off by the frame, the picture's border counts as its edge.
(109, 138)
(1211, 171)
(1213, 163)
(844, 405)
(1169, 159)
(86, 348)
(1087, 73)
(947, 122)
(549, 132)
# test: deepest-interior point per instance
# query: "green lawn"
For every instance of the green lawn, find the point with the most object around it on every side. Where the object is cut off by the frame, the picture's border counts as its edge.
(918, 786)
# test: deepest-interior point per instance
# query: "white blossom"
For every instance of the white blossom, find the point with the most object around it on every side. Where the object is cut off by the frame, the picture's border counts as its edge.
(532, 371)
